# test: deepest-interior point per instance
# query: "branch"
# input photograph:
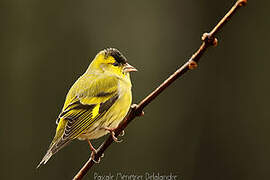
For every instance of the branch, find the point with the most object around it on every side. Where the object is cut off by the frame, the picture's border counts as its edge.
(208, 40)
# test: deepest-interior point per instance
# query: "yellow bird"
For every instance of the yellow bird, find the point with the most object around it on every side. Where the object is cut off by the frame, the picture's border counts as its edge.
(96, 103)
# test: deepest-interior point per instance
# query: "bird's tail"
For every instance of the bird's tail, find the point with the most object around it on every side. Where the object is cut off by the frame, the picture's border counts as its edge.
(55, 146)
(46, 158)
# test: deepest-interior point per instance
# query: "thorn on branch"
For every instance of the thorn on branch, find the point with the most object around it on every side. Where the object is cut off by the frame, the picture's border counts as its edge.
(134, 106)
(138, 112)
(215, 42)
(209, 39)
(242, 2)
(192, 65)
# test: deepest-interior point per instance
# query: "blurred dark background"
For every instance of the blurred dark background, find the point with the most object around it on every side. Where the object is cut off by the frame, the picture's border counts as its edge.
(213, 123)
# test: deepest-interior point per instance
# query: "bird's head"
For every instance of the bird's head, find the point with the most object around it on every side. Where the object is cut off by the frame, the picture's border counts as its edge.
(111, 61)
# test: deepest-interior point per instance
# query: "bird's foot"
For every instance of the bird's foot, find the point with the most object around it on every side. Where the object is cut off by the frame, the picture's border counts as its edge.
(93, 157)
(94, 152)
(111, 130)
(122, 133)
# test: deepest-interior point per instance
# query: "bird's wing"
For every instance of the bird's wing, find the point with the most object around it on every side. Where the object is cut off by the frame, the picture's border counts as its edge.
(87, 101)
(81, 116)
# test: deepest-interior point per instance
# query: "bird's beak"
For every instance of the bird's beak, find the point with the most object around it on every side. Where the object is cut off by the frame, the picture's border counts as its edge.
(129, 68)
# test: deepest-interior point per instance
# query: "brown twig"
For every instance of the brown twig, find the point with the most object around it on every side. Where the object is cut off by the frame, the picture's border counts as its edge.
(208, 40)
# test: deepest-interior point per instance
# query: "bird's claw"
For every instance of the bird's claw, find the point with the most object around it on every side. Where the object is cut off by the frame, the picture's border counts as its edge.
(94, 152)
(113, 135)
(115, 138)
(122, 133)
(93, 157)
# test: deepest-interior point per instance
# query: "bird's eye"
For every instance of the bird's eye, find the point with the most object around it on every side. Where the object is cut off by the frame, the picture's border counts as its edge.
(116, 64)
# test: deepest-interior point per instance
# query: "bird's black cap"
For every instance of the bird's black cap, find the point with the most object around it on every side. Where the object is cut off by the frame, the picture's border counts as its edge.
(116, 55)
